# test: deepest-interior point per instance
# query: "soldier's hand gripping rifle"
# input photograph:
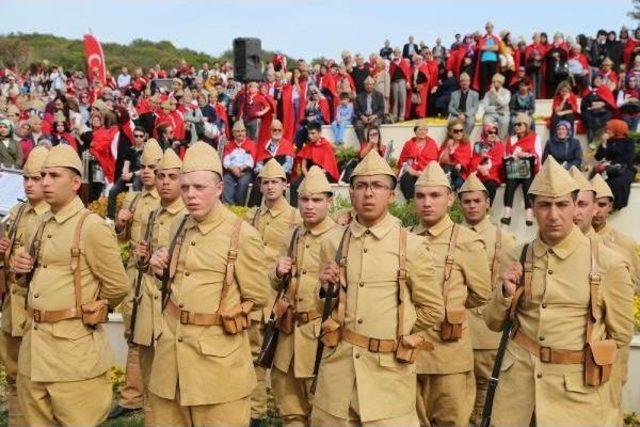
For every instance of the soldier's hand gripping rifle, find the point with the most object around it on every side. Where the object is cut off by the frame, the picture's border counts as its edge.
(272, 330)
(141, 265)
(502, 348)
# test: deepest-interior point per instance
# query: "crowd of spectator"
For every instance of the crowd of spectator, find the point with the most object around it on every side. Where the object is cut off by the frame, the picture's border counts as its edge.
(282, 115)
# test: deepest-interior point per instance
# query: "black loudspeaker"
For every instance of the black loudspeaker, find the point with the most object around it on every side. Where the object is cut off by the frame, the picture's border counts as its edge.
(246, 59)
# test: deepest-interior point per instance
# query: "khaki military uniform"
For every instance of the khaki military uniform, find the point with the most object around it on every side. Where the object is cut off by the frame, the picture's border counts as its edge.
(446, 387)
(62, 366)
(142, 203)
(295, 353)
(200, 374)
(14, 317)
(357, 385)
(148, 325)
(276, 226)
(554, 315)
(483, 340)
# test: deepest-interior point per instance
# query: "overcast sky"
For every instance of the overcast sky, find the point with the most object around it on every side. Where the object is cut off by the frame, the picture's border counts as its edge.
(305, 28)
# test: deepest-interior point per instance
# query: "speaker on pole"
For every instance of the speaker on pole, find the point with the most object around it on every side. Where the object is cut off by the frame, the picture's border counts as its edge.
(246, 59)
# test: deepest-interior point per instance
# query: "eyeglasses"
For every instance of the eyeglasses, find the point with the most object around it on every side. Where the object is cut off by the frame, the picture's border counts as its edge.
(376, 187)
(457, 130)
(492, 132)
(276, 130)
(520, 124)
(137, 135)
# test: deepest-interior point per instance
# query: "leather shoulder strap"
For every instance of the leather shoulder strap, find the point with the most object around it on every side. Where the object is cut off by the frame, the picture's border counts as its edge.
(256, 219)
(497, 249)
(403, 291)
(595, 279)
(295, 253)
(75, 256)
(134, 203)
(342, 294)
(232, 256)
(292, 218)
(448, 261)
(34, 252)
(175, 245)
(525, 254)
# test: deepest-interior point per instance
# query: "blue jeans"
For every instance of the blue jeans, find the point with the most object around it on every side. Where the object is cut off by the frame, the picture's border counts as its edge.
(235, 188)
(338, 131)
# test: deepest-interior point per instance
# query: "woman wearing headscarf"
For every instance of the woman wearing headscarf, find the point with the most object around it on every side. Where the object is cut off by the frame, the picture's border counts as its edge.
(563, 147)
(10, 151)
(521, 163)
(487, 158)
(615, 161)
(629, 102)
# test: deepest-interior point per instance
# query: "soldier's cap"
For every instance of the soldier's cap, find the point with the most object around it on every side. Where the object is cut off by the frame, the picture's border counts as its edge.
(37, 156)
(272, 169)
(433, 176)
(314, 182)
(170, 160)
(373, 164)
(238, 126)
(473, 183)
(201, 157)
(151, 153)
(552, 181)
(601, 187)
(64, 156)
(581, 181)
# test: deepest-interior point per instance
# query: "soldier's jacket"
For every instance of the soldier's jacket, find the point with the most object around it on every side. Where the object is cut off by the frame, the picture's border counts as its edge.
(625, 246)
(469, 287)
(301, 344)
(386, 388)
(208, 365)
(13, 312)
(68, 350)
(555, 317)
(276, 227)
(149, 316)
(482, 338)
(144, 202)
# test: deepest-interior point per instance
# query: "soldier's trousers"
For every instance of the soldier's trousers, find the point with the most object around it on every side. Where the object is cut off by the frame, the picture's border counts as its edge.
(322, 418)
(259, 395)
(446, 399)
(293, 397)
(132, 393)
(9, 347)
(146, 360)
(71, 403)
(619, 379)
(168, 412)
(483, 364)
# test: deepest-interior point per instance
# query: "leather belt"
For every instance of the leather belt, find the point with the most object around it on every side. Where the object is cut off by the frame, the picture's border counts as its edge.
(546, 354)
(374, 345)
(190, 318)
(304, 317)
(53, 316)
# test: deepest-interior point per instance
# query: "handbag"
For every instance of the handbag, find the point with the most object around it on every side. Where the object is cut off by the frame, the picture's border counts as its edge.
(520, 168)
(415, 98)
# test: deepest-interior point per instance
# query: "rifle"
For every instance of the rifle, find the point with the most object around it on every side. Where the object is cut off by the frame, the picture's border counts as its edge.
(140, 265)
(271, 331)
(4, 272)
(502, 348)
(326, 312)
(166, 274)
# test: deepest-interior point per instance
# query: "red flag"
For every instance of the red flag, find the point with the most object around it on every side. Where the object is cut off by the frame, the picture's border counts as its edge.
(95, 59)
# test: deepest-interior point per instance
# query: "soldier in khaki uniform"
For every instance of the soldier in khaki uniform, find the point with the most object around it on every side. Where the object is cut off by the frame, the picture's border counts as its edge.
(585, 204)
(386, 288)
(202, 372)
(22, 217)
(129, 226)
(295, 353)
(74, 274)
(446, 386)
(275, 220)
(147, 326)
(574, 295)
(475, 204)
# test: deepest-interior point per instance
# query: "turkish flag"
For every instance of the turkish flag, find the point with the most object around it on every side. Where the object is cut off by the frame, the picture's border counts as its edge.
(94, 56)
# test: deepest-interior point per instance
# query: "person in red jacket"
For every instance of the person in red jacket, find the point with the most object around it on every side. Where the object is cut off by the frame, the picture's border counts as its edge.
(455, 154)
(522, 162)
(487, 158)
(61, 134)
(414, 157)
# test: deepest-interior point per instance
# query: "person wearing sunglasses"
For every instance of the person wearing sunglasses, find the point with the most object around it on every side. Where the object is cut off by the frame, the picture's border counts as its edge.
(522, 161)
(487, 158)
(455, 154)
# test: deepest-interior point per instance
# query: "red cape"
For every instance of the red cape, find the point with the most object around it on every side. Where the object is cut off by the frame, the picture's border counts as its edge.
(328, 82)
(573, 101)
(476, 73)
(101, 148)
(526, 144)
(461, 156)
(423, 89)
(420, 158)
(528, 54)
(496, 154)
(288, 120)
(265, 121)
(247, 145)
(322, 155)
(454, 62)
(285, 148)
(628, 51)
(221, 112)
(607, 96)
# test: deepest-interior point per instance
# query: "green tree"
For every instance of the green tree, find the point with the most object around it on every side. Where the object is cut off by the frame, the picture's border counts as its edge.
(635, 13)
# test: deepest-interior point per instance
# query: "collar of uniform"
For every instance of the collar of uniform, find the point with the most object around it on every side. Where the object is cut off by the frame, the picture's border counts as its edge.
(437, 229)
(69, 210)
(153, 193)
(605, 231)
(176, 206)
(280, 206)
(40, 208)
(214, 219)
(480, 226)
(379, 230)
(562, 249)
(591, 232)
(325, 225)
